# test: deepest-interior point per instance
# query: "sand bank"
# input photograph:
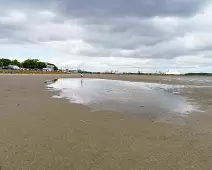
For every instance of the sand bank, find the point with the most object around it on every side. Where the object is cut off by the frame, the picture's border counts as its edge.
(39, 132)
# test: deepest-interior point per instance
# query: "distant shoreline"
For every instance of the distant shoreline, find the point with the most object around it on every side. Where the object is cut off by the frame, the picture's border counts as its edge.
(60, 72)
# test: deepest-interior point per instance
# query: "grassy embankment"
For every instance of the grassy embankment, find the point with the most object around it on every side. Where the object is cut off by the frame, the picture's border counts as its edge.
(28, 72)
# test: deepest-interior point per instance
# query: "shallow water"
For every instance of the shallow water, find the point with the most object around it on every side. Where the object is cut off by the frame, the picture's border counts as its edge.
(195, 79)
(148, 99)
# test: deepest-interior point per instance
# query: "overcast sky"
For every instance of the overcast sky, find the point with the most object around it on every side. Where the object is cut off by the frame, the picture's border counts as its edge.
(123, 35)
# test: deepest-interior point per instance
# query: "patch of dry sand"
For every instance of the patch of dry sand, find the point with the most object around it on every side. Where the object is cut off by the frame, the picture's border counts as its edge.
(39, 132)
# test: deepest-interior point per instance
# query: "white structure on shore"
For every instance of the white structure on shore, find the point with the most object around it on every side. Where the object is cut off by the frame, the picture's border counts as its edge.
(173, 72)
(14, 67)
(49, 67)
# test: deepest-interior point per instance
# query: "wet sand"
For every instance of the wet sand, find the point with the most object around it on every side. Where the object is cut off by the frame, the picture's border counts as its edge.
(40, 132)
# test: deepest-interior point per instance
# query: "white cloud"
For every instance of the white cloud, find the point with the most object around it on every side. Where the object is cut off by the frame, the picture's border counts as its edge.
(47, 15)
(13, 17)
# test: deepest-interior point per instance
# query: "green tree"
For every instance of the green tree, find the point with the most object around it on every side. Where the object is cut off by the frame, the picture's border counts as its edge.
(41, 65)
(55, 68)
(16, 62)
(5, 62)
(31, 64)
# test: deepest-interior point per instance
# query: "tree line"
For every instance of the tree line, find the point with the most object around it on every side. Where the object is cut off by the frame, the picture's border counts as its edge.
(198, 74)
(29, 63)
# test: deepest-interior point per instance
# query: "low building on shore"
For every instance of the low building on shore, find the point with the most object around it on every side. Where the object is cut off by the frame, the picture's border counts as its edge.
(173, 72)
(49, 67)
(11, 67)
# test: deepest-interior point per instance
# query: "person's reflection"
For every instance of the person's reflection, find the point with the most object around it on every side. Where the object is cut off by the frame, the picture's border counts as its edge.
(81, 82)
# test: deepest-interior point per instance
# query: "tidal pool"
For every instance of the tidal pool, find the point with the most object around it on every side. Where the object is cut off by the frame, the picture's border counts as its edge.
(150, 99)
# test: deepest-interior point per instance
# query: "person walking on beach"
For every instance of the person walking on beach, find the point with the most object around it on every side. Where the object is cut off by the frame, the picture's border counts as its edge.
(81, 75)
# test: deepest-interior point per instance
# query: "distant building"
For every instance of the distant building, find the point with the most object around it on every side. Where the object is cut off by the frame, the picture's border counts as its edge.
(73, 71)
(173, 72)
(13, 67)
(49, 67)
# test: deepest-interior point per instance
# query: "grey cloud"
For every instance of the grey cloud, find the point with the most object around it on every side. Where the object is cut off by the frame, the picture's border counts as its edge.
(140, 8)
(126, 34)
(12, 33)
(114, 28)
(28, 4)
(113, 8)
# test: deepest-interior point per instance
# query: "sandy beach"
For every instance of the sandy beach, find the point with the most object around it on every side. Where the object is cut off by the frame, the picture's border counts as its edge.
(39, 132)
